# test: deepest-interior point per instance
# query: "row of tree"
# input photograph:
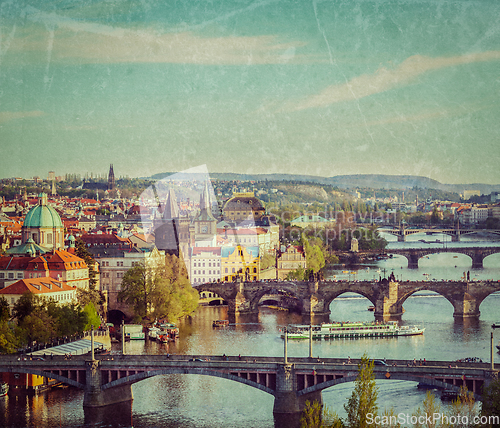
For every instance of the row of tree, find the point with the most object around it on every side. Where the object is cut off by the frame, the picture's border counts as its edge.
(36, 320)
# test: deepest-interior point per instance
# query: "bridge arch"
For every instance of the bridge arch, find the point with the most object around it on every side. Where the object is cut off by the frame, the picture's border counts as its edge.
(271, 288)
(47, 374)
(382, 376)
(215, 288)
(402, 299)
(329, 299)
(206, 372)
(484, 296)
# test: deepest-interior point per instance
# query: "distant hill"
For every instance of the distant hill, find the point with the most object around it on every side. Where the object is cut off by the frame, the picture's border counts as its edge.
(373, 181)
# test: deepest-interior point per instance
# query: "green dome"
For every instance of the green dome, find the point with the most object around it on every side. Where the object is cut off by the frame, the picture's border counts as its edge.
(42, 215)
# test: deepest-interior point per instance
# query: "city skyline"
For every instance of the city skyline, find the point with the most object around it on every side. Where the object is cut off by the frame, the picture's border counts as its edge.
(325, 89)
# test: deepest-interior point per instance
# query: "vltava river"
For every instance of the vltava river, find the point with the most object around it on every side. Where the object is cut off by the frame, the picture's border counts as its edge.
(201, 401)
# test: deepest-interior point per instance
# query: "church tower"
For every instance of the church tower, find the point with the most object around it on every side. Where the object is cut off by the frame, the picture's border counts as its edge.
(166, 225)
(111, 178)
(205, 225)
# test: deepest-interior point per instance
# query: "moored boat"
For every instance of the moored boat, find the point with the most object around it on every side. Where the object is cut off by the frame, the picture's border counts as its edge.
(4, 389)
(352, 330)
(153, 333)
(220, 323)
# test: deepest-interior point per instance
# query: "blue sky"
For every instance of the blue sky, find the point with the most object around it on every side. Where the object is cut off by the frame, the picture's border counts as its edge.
(321, 88)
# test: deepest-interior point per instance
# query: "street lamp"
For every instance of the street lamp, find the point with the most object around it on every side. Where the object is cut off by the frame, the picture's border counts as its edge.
(493, 327)
(285, 359)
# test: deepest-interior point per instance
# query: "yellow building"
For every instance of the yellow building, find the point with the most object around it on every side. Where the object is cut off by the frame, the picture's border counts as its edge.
(240, 262)
(243, 206)
(290, 259)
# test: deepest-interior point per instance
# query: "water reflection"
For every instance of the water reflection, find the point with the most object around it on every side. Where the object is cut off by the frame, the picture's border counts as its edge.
(116, 415)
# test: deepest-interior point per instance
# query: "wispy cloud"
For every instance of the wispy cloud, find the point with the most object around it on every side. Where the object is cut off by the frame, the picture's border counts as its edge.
(385, 79)
(7, 116)
(90, 42)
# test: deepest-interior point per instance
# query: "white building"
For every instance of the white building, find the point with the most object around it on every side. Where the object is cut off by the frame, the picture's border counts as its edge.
(205, 265)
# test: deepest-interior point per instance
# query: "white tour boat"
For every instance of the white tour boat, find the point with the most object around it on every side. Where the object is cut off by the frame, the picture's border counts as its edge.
(352, 330)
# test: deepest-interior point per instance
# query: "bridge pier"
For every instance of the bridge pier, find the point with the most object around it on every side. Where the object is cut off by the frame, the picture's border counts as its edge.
(387, 305)
(477, 260)
(286, 401)
(413, 261)
(467, 307)
(455, 238)
(401, 238)
(95, 396)
(314, 304)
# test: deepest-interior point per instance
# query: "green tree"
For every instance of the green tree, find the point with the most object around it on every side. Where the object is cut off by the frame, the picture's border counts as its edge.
(313, 416)
(491, 399)
(296, 275)
(68, 319)
(137, 290)
(25, 306)
(267, 261)
(430, 407)
(164, 292)
(364, 396)
(9, 341)
(4, 309)
(38, 327)
(93, 318)
(315, 259)
(83, 253)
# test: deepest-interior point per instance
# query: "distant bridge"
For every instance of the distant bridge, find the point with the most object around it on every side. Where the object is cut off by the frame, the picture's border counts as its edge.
(388, 297)
(477, 254)
(108, 380)
(454, 232)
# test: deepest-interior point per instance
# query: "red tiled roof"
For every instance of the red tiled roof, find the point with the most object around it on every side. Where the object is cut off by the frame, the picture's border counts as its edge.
(199, 250)
(43, 285)
(103, 238)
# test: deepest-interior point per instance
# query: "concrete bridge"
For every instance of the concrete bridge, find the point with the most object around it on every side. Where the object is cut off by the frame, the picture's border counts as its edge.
(109, 381)
(454, 232)
(477, 254)
(388, 297)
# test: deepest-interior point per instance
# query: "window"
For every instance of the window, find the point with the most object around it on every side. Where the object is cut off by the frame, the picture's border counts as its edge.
(119, 264)
(119, 274)
(2, 275)
(19, 275)
(11, 275)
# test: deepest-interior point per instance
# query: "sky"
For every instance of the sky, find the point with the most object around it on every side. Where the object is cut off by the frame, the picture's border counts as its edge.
(299, 87)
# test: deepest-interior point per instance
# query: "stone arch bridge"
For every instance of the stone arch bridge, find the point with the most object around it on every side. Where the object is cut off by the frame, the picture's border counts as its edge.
(388, 297)
(477, 254)
(109, 381)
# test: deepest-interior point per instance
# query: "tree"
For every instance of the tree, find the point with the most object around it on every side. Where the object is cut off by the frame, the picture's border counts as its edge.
(164, 292)
(315, 259)
(83, 253)
(364, 397)
(313, 416)
(4, 309)
(26, 304)
(137, 290)
(38, 326)
(9, 341)
(68, 319)
(93, 318)
(491, 399)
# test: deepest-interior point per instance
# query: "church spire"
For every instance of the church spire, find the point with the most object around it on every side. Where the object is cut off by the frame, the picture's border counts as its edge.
(111, 178)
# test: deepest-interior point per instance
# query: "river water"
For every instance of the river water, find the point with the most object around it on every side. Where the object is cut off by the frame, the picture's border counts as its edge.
(203, 401)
